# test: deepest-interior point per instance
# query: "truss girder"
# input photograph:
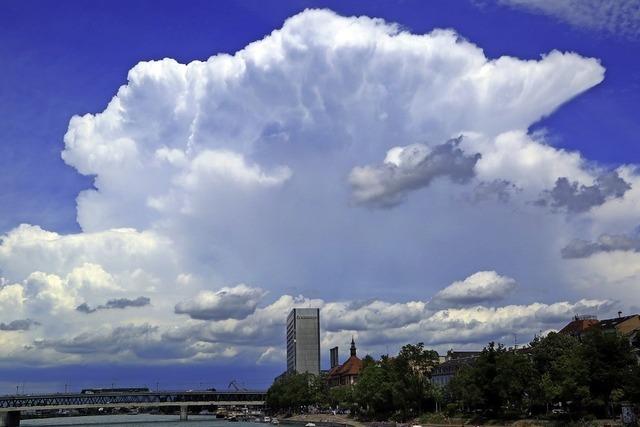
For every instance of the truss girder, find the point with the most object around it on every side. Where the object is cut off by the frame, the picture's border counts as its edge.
(78, 400)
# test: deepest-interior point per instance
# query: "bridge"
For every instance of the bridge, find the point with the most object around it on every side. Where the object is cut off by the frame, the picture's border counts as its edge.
(10, 406)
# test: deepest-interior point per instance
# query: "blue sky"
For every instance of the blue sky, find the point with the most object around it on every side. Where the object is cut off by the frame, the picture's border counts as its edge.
(65, 59)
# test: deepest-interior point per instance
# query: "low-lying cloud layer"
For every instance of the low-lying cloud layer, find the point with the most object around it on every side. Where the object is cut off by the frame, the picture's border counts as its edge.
(376, 324)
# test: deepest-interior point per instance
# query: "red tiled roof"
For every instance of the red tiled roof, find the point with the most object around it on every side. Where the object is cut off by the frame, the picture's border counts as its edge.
(578, 326)
(352, 366)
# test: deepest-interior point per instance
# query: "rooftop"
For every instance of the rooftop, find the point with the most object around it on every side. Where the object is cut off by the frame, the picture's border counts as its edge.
(612, 323)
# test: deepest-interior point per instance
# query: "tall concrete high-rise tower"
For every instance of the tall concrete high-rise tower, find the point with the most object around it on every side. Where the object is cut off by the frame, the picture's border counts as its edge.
(303, 341)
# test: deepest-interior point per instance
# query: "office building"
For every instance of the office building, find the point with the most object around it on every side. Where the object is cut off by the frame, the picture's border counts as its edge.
(303, 340)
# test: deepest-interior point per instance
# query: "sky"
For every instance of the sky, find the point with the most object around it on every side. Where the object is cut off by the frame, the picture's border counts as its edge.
(177, 176)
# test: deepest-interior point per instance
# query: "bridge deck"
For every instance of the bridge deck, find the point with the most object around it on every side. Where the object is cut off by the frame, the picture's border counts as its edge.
(130, 400)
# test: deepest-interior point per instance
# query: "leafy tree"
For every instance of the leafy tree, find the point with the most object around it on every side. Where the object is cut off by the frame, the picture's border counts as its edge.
(368, 361)
(412, 390)
(373, 391)
(342, 396)
(464, 390)
(513, 381)
(294, 391)
(499, 380)
(562, 374)
(610, 361)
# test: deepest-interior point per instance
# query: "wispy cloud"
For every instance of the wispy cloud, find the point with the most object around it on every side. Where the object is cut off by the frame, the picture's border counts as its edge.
(617, 17)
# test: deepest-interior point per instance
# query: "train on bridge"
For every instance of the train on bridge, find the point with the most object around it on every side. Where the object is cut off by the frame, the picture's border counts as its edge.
(115, 390)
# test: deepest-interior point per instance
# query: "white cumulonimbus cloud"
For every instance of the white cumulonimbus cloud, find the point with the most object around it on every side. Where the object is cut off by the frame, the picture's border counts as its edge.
(244, 168)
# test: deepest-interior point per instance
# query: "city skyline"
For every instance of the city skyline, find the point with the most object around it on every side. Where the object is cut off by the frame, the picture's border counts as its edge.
(178, 177)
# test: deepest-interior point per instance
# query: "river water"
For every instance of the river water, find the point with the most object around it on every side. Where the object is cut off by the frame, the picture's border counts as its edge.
(138, 420)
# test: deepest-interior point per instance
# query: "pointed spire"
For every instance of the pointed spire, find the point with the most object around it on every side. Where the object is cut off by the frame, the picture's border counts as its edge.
(353, 346)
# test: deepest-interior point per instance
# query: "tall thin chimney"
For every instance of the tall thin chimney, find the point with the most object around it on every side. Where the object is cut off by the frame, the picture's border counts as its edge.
(334, 357)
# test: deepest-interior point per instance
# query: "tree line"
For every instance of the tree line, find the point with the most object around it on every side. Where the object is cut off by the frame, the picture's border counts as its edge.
(577, 377)
(391, 387)
(590, 375)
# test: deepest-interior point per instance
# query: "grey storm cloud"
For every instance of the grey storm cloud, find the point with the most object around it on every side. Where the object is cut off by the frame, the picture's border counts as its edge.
(578, 198)
(118, 303)
(18, 325)
(410, 168)
(578, 248)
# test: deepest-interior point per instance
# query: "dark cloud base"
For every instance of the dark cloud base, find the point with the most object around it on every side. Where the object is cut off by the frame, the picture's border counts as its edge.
(118, 303)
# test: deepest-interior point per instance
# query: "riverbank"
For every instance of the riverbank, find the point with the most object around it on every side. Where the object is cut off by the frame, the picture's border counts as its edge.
(329, 420)
(323, 420)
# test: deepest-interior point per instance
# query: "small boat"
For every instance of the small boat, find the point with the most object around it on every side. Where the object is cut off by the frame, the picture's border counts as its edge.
(309, 425)
(275, 421)
(257, 420)
(232, 419)
(266, 420)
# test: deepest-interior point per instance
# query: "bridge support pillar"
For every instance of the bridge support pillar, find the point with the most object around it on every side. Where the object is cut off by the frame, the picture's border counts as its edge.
(184, 413)
(10, 419)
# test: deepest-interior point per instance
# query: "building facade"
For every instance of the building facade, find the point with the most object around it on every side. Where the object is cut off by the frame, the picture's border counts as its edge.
(623, 325)
(348, 372)
(453, 362)
(303, 341)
